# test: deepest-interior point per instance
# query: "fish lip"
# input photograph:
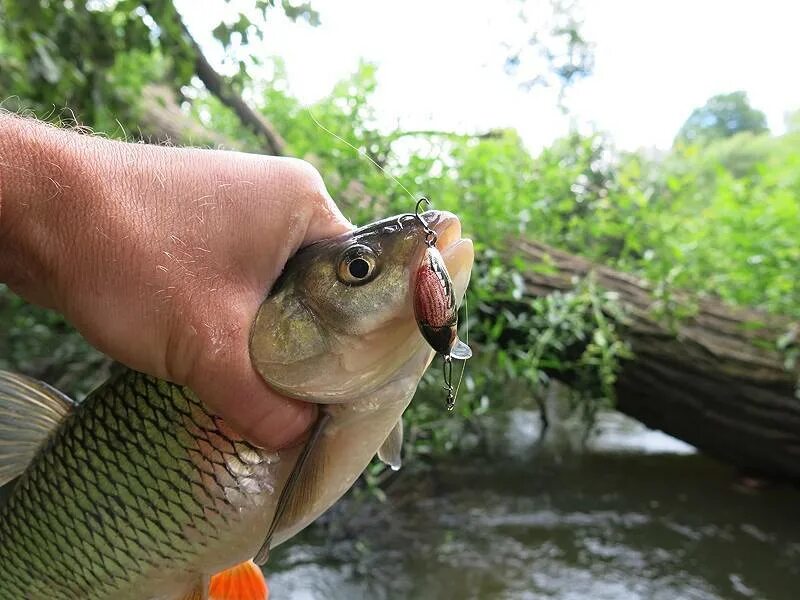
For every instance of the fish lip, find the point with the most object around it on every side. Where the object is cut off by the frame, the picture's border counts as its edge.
(457, 252)
(445, 224)
(447, 228)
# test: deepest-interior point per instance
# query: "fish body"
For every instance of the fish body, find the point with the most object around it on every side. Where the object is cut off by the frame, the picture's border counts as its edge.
(138, 476)
(142, 493)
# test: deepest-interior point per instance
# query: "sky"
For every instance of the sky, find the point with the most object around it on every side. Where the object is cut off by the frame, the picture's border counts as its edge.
(441, 62)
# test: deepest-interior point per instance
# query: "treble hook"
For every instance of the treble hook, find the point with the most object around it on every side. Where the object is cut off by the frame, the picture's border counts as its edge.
(447, 371)
(430, 234)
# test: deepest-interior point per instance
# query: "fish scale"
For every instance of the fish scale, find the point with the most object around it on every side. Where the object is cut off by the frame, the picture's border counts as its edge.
(140, 474)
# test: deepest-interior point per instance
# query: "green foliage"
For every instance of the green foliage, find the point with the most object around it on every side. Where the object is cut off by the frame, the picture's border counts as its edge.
(573, 334)
(67, 55)
(718, 215)
(93, 59)
(40, 343)
(722, 116)
(724, 231)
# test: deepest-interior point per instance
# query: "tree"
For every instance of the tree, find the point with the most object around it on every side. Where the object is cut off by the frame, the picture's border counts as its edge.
(101, 59)
(722, 116)
(554, 52)
(719, 221)
(722, 379)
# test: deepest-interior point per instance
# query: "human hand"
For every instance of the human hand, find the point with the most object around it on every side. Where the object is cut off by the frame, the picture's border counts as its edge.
(161, 256)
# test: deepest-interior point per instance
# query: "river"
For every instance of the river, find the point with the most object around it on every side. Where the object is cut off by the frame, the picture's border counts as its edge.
(631, 514)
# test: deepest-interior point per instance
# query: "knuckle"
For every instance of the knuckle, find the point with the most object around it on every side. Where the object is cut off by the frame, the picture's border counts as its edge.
(306, 180)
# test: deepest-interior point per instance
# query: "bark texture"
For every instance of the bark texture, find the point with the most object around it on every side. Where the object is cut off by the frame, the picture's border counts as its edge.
(715, 379)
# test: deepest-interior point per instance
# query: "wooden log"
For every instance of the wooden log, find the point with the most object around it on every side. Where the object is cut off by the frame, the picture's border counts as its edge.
(714, 377)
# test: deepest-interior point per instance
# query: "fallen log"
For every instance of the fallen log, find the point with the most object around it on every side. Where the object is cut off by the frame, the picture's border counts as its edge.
(715, 377)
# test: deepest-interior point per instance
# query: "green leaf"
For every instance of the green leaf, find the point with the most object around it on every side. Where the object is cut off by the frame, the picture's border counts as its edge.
(222, 32)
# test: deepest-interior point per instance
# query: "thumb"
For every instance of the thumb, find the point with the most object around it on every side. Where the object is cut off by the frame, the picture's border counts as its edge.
(325, 220)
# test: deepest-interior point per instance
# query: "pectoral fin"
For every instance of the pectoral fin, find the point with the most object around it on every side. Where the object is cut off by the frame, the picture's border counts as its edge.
(391, 450)
(245, 581)
(29, 412)
(298, 492)
(461, 351)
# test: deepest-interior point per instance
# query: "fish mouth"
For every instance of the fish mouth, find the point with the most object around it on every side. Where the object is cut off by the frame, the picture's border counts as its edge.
(457, 252)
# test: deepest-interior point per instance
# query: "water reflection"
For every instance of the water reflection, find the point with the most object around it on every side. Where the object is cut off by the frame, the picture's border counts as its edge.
(636, 515)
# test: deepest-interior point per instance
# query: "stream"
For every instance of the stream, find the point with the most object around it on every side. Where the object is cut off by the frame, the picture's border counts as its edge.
(629, 514)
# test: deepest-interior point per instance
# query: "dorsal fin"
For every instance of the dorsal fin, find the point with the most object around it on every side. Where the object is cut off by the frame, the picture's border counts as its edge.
(29, 412)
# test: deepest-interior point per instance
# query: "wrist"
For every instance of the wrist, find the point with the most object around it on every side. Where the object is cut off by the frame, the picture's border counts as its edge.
(38, 184)
(10, 143)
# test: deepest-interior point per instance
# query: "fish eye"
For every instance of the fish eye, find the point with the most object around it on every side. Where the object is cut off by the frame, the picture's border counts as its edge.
(358, 268)
(357, 265)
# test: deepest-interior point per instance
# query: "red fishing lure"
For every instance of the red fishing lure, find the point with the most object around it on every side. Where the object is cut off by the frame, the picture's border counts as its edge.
(435, 308)
(435, 303)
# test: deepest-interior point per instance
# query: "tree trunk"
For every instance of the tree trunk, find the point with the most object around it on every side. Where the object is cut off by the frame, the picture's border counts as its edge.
(715, 379)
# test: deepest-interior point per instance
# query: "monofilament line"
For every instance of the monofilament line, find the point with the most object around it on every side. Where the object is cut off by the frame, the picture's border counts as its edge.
(360, 152)
(466, 341)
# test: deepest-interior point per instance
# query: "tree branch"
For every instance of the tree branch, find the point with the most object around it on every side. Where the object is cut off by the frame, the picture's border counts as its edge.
(491, 134)
(217, 85)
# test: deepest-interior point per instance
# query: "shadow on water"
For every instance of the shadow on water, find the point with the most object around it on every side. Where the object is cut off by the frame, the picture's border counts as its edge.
(633, 515)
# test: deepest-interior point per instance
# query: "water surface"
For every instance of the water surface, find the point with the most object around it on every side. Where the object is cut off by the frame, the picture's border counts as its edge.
(632, 515)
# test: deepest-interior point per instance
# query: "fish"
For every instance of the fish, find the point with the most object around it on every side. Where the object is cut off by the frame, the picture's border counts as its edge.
(141, 492)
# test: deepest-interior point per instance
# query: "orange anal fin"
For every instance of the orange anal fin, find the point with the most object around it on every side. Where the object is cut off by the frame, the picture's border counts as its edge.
(242, 582)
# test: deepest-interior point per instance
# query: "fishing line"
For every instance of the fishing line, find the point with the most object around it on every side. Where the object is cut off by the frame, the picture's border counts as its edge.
(361, 153)
(466, 341)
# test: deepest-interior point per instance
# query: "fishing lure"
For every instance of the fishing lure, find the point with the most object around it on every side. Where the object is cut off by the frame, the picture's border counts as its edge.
(435, 307)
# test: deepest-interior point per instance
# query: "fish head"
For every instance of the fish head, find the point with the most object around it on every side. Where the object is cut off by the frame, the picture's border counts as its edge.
(339, 323)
